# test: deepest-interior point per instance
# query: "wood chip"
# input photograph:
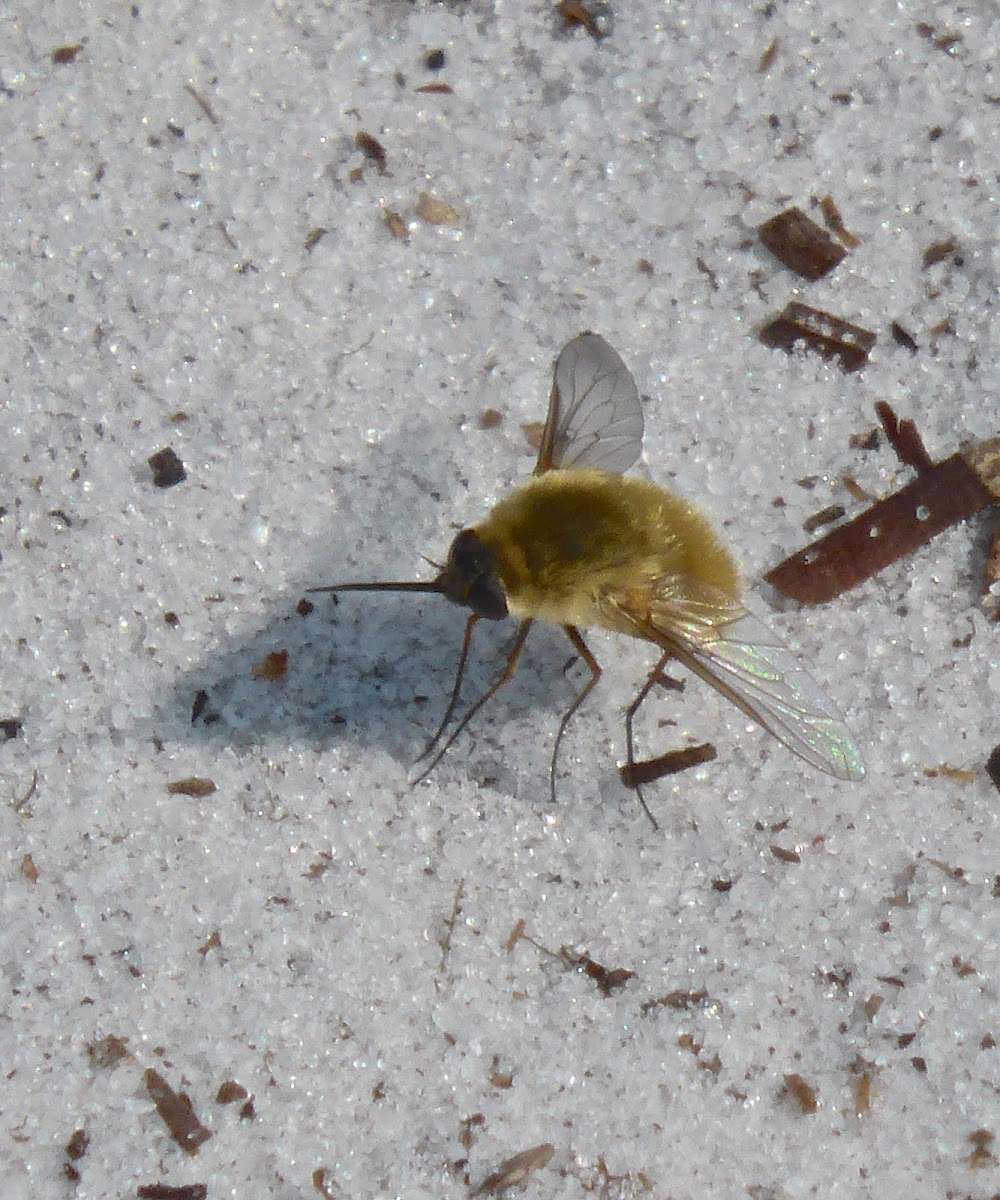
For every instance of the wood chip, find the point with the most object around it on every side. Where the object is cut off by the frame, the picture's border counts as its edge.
(177, 1113)
(434, 211)
(800, 244)
(515, 1170)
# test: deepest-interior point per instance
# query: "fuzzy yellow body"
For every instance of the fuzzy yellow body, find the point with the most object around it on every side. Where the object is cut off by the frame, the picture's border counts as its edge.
(566, 539)
(581, 545)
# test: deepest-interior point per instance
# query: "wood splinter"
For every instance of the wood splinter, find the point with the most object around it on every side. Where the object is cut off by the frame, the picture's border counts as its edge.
(942, 495)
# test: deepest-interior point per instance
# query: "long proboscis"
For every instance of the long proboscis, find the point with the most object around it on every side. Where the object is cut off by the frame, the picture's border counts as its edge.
(408, 585)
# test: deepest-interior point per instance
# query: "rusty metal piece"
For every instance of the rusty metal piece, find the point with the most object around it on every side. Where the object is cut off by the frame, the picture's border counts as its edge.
(827, 335)
(938, 498)
(942, 495)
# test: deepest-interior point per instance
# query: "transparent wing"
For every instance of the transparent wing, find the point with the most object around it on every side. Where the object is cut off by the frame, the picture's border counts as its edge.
(727, 646)
(594, 417)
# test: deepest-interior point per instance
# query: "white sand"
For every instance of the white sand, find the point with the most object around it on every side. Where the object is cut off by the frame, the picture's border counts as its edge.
(290, 931)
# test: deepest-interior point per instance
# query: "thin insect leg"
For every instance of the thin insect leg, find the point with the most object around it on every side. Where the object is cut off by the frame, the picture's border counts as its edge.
(449, 712)
(651, 680)
(505, 675)
(583, 650)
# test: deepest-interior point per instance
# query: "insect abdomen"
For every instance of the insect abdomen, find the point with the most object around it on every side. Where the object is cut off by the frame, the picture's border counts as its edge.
(567, 538)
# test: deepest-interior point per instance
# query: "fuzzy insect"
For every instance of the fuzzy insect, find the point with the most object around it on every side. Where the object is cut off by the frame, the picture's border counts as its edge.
(582, 545)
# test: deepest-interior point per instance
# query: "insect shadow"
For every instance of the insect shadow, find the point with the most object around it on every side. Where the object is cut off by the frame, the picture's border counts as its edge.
(581, 545)
(331, 674)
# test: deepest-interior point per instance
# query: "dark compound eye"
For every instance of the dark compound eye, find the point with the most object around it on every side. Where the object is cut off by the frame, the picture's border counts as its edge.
(471, 580)
(486, 598)
(468, 557)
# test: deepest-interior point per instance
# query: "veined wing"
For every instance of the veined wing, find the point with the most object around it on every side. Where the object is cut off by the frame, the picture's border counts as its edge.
(726, 645)
(594, 417)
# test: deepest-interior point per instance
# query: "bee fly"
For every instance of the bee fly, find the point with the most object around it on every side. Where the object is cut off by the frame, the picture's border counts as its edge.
(582, 545)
